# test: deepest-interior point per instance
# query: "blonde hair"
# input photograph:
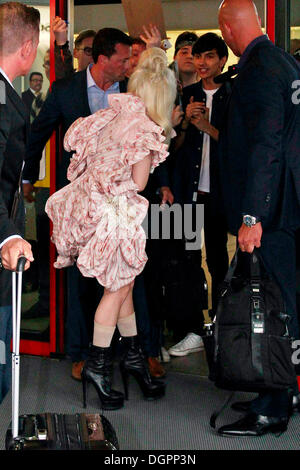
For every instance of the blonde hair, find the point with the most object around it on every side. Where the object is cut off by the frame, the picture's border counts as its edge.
(18, 23)
(156, 85)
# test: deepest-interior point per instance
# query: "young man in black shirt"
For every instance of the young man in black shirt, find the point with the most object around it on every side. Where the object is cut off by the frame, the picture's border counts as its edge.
(195, 178)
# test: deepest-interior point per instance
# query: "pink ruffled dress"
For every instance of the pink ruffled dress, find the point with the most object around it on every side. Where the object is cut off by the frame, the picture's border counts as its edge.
(97, 217)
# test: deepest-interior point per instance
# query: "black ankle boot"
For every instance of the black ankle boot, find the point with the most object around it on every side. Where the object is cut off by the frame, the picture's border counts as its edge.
(98, 370)
(133, 362)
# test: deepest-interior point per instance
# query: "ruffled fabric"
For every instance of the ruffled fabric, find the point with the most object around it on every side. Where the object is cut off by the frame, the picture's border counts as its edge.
(82, 137)
(97, 218)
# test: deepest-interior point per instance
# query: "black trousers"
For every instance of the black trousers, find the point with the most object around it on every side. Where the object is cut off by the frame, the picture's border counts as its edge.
(279, 256)
(215, 235)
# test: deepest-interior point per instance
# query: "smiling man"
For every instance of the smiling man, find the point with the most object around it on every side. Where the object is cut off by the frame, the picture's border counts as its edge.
(195, 174)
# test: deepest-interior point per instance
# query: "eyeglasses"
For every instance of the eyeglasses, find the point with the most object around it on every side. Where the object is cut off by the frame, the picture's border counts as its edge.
(36, 80)
(87, 50)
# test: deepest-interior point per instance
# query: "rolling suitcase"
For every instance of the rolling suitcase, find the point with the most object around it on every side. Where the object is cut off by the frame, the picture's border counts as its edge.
(50, 431)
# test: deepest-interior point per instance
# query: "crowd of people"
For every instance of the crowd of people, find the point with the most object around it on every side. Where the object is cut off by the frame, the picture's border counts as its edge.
(140, 133)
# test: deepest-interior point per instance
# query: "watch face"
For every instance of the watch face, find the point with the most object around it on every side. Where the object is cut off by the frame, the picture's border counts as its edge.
(248, 220)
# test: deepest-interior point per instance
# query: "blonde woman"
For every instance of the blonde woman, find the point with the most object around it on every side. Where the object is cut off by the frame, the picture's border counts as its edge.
(97, 218)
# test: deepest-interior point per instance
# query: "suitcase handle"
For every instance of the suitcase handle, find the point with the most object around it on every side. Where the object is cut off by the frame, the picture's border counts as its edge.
(16, 324)
(21, 264)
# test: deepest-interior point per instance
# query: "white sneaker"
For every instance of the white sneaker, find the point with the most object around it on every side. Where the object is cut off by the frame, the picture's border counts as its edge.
(164, 355)
(190, 344)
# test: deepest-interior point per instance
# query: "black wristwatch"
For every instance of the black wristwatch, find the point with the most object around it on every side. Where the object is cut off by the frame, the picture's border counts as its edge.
(250, 220)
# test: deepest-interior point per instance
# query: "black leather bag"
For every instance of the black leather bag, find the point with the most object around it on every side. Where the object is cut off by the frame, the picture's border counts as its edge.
(252, 343)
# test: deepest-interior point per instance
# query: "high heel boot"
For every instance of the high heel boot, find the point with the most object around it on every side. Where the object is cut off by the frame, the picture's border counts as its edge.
(98, 370)
(134, 363)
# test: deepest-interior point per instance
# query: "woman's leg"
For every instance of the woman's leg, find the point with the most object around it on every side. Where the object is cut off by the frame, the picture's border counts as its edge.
(107, 314)
(127, 307)
(109, 308)
(98, 367)
(126, 321)
(133, 360)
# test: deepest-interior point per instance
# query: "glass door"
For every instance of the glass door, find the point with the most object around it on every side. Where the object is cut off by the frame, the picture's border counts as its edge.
(42, 325)
(295, 29)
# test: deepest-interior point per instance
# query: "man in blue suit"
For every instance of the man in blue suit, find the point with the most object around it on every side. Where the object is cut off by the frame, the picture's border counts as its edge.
(260, 178)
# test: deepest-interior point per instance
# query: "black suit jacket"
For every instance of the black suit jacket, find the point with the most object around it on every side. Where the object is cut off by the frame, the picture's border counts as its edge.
(259, 154)
(67, 102)
(14, 126)
(189, 156)
(27, 98)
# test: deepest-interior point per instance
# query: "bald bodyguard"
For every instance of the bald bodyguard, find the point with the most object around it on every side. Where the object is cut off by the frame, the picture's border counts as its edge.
(260, 179)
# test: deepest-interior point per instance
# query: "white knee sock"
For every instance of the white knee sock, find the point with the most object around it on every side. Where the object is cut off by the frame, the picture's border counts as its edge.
(127, 325)
(103, 335)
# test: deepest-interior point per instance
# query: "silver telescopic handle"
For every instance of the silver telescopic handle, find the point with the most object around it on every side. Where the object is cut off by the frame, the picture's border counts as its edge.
(16, 305)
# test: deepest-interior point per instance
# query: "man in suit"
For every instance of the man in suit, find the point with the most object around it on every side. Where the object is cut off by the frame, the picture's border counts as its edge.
(83, 49)
(19, 37)
(33, 92)
(260, 176)
(79, 96)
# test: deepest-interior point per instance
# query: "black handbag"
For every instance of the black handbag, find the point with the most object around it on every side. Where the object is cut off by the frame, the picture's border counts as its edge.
(252, 344)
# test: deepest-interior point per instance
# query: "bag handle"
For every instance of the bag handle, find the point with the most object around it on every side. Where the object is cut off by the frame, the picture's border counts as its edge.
(232, 267)
(255, 266)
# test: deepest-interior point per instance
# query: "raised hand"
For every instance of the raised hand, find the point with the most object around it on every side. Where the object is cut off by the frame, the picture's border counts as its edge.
(60, 30)
(151, 36)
